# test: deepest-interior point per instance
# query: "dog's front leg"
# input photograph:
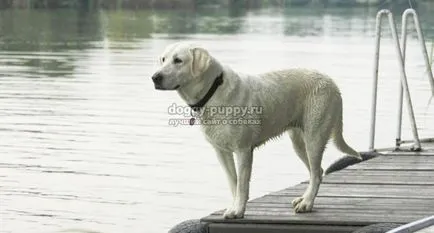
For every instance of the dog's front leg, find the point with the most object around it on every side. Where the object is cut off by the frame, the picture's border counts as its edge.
(226, 159)
(244, 165)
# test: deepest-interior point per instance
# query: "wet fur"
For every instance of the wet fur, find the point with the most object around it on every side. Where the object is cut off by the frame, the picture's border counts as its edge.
(305, 103)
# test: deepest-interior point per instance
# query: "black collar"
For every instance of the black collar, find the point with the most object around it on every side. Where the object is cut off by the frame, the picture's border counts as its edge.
(217, 82)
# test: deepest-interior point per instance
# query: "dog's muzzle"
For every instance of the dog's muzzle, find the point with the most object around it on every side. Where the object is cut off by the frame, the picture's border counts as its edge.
(157, 78)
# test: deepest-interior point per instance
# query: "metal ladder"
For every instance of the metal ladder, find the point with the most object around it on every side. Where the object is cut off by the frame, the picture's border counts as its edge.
(403, 86)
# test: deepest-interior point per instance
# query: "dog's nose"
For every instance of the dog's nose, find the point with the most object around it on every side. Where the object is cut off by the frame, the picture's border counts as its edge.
(157, 78)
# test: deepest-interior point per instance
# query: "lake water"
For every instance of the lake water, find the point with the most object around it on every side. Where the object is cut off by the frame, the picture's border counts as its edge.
(84, 137)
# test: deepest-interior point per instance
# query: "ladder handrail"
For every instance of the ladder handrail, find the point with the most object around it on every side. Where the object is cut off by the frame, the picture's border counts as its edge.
(407, 13)
(403, 76)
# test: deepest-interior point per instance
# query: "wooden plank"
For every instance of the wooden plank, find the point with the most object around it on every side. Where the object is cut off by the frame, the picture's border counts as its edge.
(366, 190)
(284, 199)
(347, 203)
(278, 228)
(398, 174)
(344, 213)
(394, 167)
(391, 159)
(406, 157)
(398, 158)
(380, 177)
(393, 162)
(342, 208)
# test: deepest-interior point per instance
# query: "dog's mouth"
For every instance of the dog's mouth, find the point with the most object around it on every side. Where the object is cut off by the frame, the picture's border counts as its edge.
(160, 87)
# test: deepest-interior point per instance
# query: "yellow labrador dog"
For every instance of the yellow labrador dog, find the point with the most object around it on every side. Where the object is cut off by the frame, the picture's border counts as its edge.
(302, 102)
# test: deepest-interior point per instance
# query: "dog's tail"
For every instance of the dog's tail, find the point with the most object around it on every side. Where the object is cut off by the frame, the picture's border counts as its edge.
(340, 142)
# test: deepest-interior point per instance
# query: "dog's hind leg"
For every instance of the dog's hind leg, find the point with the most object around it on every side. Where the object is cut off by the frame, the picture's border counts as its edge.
(315, 148)
(317, 131)
(244, 166)
(297, 138)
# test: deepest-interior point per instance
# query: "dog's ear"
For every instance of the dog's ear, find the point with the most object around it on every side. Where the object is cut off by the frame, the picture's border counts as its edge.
(200, 62)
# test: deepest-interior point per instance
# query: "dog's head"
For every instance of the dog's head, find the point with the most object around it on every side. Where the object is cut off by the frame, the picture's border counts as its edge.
(180, 63)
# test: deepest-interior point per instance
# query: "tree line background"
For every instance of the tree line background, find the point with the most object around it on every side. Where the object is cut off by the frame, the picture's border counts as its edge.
(191, 4)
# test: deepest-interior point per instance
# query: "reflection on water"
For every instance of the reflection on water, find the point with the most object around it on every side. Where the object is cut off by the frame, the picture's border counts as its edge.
(84, 137)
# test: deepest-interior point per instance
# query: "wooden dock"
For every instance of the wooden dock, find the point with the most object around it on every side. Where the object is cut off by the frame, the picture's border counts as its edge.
(391, 188)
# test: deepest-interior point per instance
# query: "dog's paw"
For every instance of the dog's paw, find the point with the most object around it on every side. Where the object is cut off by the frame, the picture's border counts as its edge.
(303, 206)
(232, 213)
(296, 201)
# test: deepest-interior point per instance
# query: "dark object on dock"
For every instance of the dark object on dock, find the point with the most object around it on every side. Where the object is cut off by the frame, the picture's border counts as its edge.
(346, 161)
(190, 226)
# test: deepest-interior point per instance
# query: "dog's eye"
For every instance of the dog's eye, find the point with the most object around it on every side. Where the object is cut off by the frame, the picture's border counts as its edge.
(163, 59)
(177, 60)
